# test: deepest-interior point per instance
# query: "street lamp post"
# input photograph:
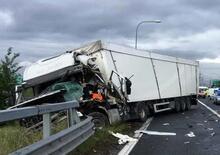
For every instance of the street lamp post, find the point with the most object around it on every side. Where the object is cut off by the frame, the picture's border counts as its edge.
(142, 22)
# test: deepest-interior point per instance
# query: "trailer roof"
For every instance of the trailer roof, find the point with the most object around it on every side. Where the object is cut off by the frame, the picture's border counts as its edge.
(100, 45)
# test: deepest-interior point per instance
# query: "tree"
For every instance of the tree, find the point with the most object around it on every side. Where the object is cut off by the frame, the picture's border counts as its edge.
(8, 70)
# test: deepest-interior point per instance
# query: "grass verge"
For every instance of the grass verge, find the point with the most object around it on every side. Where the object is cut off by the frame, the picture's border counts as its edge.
(103, 143)
(13, 137)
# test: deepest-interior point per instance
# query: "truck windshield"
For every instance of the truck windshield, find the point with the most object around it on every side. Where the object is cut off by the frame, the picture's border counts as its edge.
(73, 90)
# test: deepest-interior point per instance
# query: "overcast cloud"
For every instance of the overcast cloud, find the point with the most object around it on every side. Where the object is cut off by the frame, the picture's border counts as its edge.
(41, 28)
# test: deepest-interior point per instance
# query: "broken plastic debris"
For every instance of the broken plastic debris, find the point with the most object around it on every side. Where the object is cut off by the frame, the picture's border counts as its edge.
(156, 133)
(122, 138)
(166, 124)
(190, 134)
(199, 124)
(79, 114)
(213, 133)
(186, 142)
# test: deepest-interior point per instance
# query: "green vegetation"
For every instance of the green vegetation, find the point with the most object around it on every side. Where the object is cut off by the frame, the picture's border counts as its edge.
(13, 137)
(8, 70)
(103, 143)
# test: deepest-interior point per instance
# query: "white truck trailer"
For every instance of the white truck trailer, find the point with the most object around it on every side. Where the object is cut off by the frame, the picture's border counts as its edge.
(132, 83)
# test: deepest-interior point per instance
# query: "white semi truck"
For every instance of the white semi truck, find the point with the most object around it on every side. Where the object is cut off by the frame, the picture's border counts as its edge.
(112, 82)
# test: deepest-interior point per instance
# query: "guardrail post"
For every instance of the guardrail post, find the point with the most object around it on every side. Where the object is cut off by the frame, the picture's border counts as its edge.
(75, 116)
(69, 117)
(46, 125)
(72, 117)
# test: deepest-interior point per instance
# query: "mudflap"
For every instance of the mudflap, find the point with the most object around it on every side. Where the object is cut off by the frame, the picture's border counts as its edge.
(114, 116)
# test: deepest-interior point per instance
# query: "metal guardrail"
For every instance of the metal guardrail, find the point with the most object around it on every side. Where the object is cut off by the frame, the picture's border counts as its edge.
(60, 143)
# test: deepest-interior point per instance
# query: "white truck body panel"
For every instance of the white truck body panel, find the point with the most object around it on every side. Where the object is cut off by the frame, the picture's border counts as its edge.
(167, 76)
(155, 76)
(141, 68)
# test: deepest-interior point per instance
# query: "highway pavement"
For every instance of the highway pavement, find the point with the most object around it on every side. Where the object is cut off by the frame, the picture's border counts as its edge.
(201, 125)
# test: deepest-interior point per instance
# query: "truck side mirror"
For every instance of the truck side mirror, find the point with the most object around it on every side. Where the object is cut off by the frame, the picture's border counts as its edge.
(128, 85)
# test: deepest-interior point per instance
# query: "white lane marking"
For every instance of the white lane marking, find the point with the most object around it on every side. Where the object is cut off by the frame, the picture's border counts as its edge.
(157, 133)
(128, 148)
(210, 109)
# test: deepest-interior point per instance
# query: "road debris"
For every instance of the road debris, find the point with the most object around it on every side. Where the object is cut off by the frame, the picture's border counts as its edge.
(165, 124)
(213, 133)
(190, 134)
(156, 133)
(186, 142)
(210, 129)
(122, 138)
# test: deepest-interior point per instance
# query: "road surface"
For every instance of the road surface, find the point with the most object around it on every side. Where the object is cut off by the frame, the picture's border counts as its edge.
(202, 122)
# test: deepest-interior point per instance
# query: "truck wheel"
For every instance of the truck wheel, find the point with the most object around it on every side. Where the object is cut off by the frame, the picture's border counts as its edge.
(183, 105)
(99, 119)
(142, 112)
(188, 104)
(177, 106)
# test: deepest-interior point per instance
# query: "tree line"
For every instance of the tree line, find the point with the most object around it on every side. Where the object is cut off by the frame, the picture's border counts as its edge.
(8, 74)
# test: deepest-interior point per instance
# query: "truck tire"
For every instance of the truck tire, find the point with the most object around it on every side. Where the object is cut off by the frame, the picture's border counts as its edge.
(188, 104)
(142, 112)
(99, 119)
(183, 105)
(177, 106)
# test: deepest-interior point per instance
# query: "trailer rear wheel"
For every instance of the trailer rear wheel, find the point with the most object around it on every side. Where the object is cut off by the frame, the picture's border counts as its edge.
(183, 105)
(99, 119)
(142, 112)
(177, 106)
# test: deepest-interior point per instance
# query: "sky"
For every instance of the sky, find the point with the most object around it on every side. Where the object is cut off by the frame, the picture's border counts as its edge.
(41, 28)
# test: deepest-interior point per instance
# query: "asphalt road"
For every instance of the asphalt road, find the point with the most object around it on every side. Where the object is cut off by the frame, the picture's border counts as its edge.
(204, 124)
